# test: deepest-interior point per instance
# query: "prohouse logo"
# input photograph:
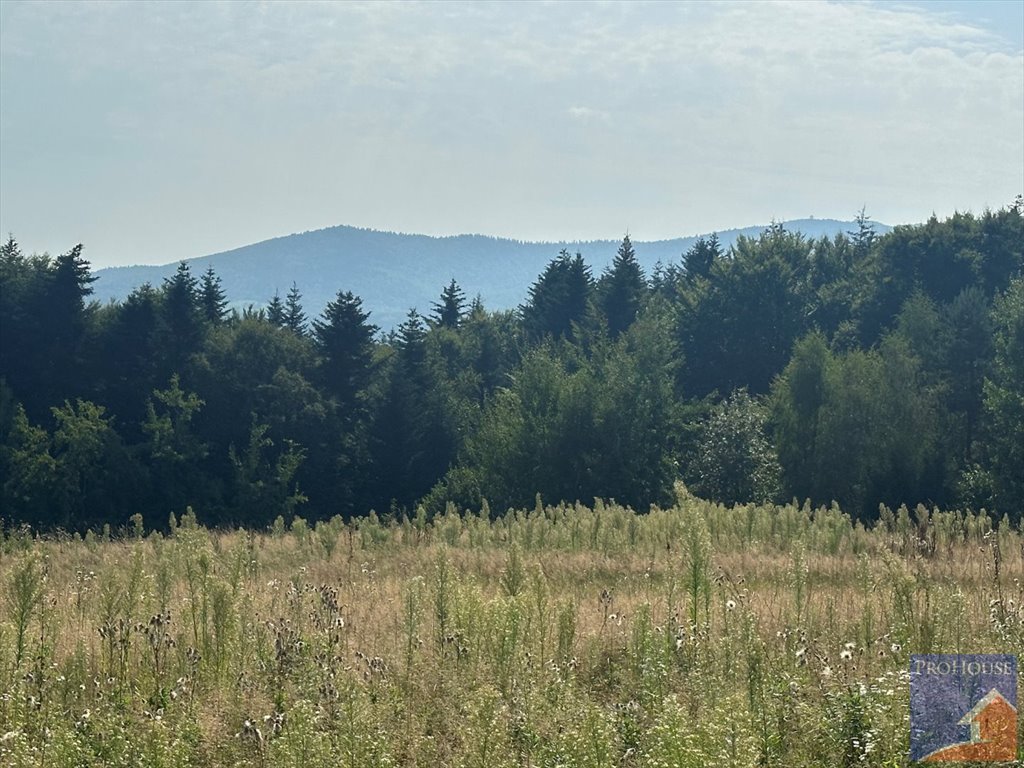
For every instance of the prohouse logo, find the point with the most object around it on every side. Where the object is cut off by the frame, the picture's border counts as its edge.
(963, 708)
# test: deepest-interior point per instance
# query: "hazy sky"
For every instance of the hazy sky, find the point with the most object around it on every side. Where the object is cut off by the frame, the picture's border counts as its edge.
(158, 131)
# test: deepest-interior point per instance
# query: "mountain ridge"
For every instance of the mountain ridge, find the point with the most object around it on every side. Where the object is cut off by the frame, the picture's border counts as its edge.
(394, 272)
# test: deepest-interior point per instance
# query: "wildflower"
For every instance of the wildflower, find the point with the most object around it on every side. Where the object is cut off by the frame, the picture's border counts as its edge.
(827, 671)
(730, 605)
(895, 647)
(846, 654)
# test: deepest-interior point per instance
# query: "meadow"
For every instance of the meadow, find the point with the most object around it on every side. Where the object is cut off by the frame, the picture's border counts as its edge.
(562, 636)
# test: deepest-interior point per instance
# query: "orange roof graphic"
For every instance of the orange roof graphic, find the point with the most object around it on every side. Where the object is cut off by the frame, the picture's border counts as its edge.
(993, 722)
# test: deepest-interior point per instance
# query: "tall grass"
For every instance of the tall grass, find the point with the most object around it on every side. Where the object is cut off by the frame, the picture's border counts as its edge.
(559, 636)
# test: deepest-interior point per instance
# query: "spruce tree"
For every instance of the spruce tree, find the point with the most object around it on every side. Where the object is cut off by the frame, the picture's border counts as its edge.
(181, 320)
(294, 317)
(449, 311)
(276, 311)
(414, 442)
(622, 289)
(63, 320)
(212, 298)
(864, 237)
(344, 339)
(559, 298)
(702, 254)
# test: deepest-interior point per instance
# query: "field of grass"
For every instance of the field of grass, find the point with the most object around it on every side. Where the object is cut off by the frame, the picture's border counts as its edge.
(560, 636)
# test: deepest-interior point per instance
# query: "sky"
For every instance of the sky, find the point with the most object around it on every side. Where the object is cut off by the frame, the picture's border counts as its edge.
(156, 131)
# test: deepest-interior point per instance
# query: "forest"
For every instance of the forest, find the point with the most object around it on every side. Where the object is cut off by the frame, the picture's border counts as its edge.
(859, 370)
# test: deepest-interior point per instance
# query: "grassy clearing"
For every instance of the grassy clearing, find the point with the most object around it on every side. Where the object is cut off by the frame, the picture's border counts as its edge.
(561, 636)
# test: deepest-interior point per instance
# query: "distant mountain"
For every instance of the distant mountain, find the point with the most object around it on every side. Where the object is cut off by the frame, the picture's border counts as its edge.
(395, 272)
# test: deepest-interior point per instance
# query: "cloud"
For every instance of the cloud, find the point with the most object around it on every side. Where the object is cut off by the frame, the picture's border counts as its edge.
(586, 113)
(527, 119)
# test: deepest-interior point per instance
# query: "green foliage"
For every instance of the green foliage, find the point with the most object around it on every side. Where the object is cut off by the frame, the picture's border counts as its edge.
(181, 322)
(741, 320)
(856, 427)
(23, 596)
(212, 298)
(735, 461)
(294, 317)
(905, 392)
(582, 428)
(1004, 401)
(344, 340)
(264, 485)
(622, 290)
(93, 469)
(173, 449)
(448, 313)
(275, 311)
(30, 471)
(169, 425)
(560, 298)
(414, 433)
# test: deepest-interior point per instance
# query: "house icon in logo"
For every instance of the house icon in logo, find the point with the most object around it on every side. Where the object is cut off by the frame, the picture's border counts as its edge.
(993, 723)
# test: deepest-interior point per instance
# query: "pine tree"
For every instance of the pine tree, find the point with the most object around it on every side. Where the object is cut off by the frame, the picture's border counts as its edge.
(344, 340)
(864, 237)
(181, 320)
(414, 442)
(212, 298)
(63, 320)
(130, 354)
(559, 298)
(698, 260)
(294, 317)
(448, 313)
(276, 311)
(12, 320)
(70, 286)
(622, 289)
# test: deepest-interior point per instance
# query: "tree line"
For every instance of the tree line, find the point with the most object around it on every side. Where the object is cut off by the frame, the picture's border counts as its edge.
(858, 369)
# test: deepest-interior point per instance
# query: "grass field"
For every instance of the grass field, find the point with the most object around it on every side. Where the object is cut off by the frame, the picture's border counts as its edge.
(561, 636)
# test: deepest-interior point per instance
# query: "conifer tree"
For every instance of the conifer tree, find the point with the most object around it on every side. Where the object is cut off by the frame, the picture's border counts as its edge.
(63, 318)
(622, 290)
(129, 342)
(559, 298)
(276, 311)
(864, 237)
(212, 298)
(294, 317)
(449, 311)
(702, 254)
(415, 440)
(181, 323)
(344, 340)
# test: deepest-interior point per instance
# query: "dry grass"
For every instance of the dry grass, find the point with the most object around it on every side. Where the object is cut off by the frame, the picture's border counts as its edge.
(557, 637)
